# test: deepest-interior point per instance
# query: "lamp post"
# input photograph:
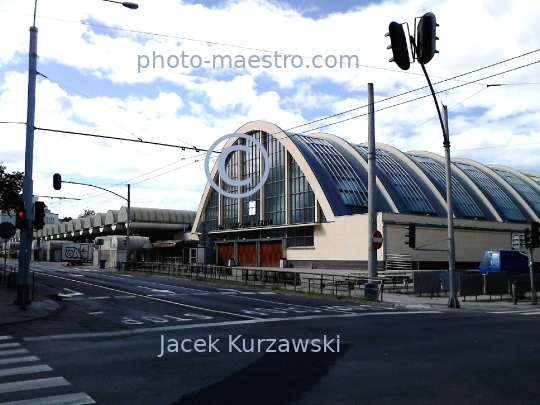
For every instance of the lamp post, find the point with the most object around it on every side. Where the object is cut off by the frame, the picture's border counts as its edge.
(28, 183)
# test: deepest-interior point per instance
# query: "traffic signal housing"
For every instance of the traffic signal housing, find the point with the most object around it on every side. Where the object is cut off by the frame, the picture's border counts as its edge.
(39, 215)
(20, 217)
(398, 45)
(57, 181)
(410, 236)
(426, 37)
(535, 235)
(528, 239)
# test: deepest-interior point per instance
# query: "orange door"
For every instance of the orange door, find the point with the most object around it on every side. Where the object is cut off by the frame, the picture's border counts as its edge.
(247, 254)
(225, 252)
(270, 253)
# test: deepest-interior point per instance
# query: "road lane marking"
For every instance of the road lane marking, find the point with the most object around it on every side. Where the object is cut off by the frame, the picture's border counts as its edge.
(14, 360)
(160, 329)
(151, 298)
(24, 370)
(7, 337)
(70, 295)
(10, 352)
(69, 399)
(3, 345)
(523, 311)
(32, 384)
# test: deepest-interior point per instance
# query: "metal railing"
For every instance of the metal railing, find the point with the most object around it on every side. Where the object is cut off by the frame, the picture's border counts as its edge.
(352, 285)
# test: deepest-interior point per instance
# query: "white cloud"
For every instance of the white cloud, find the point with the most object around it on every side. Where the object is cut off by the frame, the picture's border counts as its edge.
(194, 106)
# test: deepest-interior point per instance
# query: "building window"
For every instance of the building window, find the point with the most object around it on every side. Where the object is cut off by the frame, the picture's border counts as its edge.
(251, 171)
(230, 209)
(274, 189)
(212, 210)
(302, 197)
(300, 237)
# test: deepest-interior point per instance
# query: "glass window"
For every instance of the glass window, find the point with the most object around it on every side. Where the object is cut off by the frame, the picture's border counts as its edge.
(496, 195)
(274, 188)
(463, 202)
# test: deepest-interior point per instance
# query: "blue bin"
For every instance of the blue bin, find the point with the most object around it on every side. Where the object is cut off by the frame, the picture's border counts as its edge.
(102, 264)
(370, 290)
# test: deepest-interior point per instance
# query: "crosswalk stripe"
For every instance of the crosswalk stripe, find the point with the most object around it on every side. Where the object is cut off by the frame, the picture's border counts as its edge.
(69, 399)
(3, 345)
(6, 337)
(24, 370)
(32, 384)
(18, 360)
(10, 352)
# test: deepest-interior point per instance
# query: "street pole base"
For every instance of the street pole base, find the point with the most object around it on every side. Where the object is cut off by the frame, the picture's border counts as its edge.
(22, 293)
(453, 302)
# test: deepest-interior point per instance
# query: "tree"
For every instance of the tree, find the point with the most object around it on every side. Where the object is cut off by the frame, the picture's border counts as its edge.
(87, 213)
(10, 189)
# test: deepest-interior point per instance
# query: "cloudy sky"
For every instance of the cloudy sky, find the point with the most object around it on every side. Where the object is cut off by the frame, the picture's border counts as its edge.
(111, 71)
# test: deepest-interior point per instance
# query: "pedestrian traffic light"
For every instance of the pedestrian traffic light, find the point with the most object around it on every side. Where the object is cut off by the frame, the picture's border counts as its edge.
(398, 44)
(426, 37)
(39, 215)
(527, 238)
(410, 236)
(57, 181)
(535, 235)
(20, 217)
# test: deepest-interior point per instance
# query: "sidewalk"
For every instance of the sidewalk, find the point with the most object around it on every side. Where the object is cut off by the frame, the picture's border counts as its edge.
(40, 308)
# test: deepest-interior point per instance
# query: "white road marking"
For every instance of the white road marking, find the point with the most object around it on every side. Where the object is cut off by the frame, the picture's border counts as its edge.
(10, 352)
(7, 337)
(124, 296)
(160, 329)
(99, 298)
(32, 384)
(24, 370)
(150, 297)
(531, 313)
(4, 345)
(523, 311)
(14, 360)
(69, 399)
(70, 295)
(266, 292)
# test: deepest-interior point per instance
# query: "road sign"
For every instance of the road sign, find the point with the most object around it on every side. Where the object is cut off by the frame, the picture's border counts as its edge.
(204, 240)
(377, 240)
(7, 230)
(204, 227)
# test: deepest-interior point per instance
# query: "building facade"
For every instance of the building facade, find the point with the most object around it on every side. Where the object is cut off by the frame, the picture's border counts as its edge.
(312, 208)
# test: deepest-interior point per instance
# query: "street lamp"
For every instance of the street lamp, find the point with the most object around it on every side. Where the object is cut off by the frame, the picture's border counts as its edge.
(28, 183)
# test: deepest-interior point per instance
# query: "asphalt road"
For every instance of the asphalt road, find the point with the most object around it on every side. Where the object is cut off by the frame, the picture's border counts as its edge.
(137, 339)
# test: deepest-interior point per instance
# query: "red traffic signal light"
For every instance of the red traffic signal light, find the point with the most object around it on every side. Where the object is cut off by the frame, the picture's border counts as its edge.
(398, 45)
(20, 218)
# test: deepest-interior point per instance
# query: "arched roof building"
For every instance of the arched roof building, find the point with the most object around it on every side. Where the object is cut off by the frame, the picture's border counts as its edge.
(319, 180)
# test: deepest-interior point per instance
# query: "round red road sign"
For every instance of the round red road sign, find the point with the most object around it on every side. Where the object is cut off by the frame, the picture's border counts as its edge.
(377, 240)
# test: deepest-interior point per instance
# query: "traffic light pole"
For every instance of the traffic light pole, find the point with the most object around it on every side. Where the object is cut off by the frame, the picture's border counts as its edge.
(453, 301)
(372, 197)
(531, 270)
(28, 184)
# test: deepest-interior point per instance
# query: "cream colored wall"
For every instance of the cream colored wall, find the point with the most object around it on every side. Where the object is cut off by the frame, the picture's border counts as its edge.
(469, 243)
(344, 239)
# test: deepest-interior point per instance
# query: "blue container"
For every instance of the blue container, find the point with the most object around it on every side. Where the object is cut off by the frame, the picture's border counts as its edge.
(511, 261)
(370, 290)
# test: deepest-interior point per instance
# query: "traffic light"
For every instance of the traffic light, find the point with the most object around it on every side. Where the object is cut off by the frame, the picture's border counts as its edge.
(410, 236)
(425, 38)
(20, 217)
(527, 238)
(398, 44)
(57, 181)
(39, 215)
(535, 235)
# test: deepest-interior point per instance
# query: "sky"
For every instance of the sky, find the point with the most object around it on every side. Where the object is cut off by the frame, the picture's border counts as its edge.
(142, 75)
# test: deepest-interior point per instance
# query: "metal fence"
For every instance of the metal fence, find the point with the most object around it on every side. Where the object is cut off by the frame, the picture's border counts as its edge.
(351, 285)
(8, 279)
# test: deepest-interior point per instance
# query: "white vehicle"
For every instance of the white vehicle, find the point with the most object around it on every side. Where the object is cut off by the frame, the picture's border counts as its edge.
(77, 253)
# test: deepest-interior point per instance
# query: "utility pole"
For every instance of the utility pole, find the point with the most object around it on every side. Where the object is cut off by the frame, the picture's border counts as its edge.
(28, 183)
(372, 197)
(453, 300)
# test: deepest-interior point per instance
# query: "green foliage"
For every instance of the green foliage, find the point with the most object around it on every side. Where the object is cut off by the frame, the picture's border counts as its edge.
(10, 189)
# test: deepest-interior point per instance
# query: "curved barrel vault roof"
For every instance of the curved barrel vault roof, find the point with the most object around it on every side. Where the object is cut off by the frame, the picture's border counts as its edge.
(407, 182)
